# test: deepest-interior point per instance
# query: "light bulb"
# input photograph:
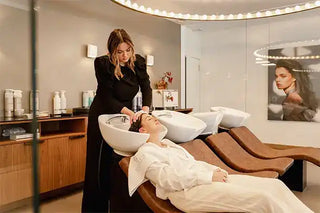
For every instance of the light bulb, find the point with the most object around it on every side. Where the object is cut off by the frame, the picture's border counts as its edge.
(135, 6)
(288, 10)
(278, 12)
(128, 3)
(204, 17)
(149, 10)
(249, 15)
(297, 8)
(213, 17)
(142, 8)
(258, 14)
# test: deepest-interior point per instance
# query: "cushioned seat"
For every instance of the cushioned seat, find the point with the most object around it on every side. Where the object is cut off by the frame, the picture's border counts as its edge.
(148, 193)
(254, 146)
(236, 157)
(200, 151)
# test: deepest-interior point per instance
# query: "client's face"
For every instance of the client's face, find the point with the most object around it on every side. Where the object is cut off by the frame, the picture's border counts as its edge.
(149, 124)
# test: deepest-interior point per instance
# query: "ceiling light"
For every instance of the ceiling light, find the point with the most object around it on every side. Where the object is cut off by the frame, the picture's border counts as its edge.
(258, 53)
(204, 17)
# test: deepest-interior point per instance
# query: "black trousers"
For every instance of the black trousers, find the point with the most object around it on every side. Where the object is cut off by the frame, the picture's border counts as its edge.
(97, 184)
(106, 185)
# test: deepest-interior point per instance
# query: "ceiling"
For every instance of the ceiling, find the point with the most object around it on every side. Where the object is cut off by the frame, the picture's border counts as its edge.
(210, 7)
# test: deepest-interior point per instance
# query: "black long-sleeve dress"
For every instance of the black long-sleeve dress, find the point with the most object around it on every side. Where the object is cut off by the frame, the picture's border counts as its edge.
(111, 96)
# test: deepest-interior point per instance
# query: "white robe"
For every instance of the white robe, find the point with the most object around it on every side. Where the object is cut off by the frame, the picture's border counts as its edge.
(188, 184)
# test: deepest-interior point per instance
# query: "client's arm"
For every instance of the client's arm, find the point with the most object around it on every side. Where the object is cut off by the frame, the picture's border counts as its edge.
(176, 179)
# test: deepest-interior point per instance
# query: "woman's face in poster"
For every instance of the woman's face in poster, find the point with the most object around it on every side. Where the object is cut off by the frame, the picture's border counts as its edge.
(283, 78)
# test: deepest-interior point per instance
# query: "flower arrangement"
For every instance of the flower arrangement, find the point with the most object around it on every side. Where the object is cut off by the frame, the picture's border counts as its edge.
(165, 80)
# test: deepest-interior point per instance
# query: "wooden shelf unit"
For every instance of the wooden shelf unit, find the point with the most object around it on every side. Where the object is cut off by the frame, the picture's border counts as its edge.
(62, 154)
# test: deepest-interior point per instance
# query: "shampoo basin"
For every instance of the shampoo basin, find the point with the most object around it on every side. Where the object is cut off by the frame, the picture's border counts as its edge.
(181, 127)
(212, 119)
(231, 117)
(114, 130)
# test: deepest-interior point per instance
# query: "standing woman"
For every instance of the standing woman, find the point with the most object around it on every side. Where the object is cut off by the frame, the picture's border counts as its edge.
(119, 75)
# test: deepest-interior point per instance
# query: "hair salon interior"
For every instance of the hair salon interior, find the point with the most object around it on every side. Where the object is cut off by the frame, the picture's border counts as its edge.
(200, 55)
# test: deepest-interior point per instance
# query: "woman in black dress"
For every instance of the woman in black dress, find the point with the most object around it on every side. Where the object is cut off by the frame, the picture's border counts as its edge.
(119, 75)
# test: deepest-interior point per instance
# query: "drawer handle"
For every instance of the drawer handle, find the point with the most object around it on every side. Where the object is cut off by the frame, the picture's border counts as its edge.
(30, 142)
(76, 137)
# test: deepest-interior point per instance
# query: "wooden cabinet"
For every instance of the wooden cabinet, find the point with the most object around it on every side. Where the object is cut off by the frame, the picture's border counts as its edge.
(15, 172)
(62, 154)
(62, 162)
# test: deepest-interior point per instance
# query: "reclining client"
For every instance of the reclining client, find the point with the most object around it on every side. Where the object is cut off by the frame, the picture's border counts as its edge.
(196, 186)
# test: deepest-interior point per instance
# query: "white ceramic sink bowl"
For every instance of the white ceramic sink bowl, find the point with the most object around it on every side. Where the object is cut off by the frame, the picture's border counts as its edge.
(181, 127)
(212, 119)
(231, 117)
(114, 130)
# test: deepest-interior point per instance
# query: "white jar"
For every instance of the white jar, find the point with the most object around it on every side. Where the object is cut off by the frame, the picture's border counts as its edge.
(8, 103)
(56, 103)
(63, 101)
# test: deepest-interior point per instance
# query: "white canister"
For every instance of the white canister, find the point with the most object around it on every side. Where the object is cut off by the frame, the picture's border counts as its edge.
(56, 103)
(8, 103)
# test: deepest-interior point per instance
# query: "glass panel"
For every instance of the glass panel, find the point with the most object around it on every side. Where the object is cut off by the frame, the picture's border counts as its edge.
(15, 127)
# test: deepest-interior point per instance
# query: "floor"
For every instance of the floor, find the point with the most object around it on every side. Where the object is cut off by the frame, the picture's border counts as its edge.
(72, 203)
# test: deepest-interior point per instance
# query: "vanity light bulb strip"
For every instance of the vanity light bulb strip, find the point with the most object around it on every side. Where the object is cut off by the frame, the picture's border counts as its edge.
(221, 17)
(259, 55)
(308, 71)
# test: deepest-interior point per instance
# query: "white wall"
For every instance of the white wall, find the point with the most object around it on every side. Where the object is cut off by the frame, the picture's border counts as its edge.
(231, 77)
(190, 47)
(64, 30)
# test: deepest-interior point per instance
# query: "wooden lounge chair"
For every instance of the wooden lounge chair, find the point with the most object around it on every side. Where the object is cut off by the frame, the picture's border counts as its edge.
(255, 147)
(236, 157)
(200, 151)
(148, 193)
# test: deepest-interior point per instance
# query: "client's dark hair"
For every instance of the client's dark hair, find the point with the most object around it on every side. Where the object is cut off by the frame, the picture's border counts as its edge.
(135, 126)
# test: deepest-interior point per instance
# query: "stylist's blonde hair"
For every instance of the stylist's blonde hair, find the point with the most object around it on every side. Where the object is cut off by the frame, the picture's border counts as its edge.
(117, 37)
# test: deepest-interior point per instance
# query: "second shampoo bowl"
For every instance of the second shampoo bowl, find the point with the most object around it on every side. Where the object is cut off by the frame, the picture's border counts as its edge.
(212, 119)
(181, 127)
(114, 130)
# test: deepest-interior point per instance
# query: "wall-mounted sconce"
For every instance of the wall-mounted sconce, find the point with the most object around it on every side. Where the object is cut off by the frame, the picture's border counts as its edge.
(92, 51)
(150, 60)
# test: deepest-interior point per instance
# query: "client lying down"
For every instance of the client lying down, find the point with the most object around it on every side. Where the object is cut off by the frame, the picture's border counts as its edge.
(196, 186)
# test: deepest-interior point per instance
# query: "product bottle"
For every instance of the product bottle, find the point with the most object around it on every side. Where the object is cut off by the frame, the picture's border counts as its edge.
(63, 101)
(91, 96)
(85, 99)
(56, 103)
(17, 95)
(8, 103)
(37, 102)
(139, 101)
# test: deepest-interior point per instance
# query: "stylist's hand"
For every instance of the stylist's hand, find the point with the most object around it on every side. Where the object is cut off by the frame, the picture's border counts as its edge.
(219, 176)
(130, 113)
